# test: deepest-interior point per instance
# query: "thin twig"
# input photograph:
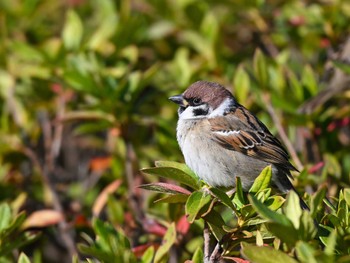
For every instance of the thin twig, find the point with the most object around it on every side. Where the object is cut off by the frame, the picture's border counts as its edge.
(335, 80)
(206, 236)
(58, 126)
(282, 133)
(52, 144)
(133, 198)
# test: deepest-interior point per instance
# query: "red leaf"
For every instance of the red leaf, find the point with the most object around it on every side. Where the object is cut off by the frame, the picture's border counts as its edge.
(140, 250)
(237, 260)
(183, 225)
(332, 126)
(81, 221)
(100, 164)
(345, 121)
(153, 227)
(324, 43)
(56, 88)
(336, 124)
(316, 167)
(165, 188)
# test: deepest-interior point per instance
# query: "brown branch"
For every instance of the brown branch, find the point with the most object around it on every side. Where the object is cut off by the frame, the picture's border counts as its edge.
(133, 197)
(52, 144)
(335, 80)
(282, 132)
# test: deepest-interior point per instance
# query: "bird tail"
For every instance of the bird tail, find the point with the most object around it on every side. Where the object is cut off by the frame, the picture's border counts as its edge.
(285, 185)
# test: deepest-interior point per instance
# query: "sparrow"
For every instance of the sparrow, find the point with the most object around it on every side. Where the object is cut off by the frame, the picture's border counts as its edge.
(221, 140)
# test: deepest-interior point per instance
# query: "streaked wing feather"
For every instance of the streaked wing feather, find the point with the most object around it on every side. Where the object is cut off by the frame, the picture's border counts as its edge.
(240, 131)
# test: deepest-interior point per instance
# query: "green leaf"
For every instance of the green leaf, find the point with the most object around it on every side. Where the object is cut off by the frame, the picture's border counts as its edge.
(260, 69)
(263, 195)
(346, 195)
(238, 198)
(316, 200)
(168, 240)
(160, 29)
(183, 167)
(292, 208)
(20, 240)
(265, 254)
(223, 197)
(305, 252)
(309, 80)
(200, 44)
(215, 223)
(209, 27)
(247, 211)
(147, 257)
(262, 181)
(267, 213)
(5, 216)
(115, 210)
(330, 243)
(110, 244)
(274, 202)
(95, 252)
(307, 230)
(296, 86)
(16, 223)
(175, 174)
(343, 214)
(73, 31)
(241, 84)
(106, 30)
(174, 198)
(195, 203)
(23, 258)
(287, 234)
(345, 67)
(198, 256)
(254, 221)
(333, 219)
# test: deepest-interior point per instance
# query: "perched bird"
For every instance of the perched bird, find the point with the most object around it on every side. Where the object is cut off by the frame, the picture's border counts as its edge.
(220, 139)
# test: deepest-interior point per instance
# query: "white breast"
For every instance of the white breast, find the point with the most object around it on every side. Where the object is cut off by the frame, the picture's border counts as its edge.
(214, 164)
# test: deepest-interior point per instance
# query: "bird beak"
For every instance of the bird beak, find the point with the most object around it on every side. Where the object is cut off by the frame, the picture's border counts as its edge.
(179, 99)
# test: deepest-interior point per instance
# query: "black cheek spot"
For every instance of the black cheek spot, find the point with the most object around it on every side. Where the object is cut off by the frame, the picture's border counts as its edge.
(200, 112)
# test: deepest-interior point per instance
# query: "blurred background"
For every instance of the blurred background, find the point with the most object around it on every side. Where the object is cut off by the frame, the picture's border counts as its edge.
(84, 89)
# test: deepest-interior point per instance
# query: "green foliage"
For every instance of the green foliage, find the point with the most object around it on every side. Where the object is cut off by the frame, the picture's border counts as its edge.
(12, 235)
(109, 245)
(276, 229)
(83, 107)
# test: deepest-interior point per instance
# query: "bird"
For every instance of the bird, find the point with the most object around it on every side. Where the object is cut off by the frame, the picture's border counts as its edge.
(221, 140)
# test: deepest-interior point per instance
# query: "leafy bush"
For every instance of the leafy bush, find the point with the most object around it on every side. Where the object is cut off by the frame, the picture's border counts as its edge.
(83, 95)
(317, 235)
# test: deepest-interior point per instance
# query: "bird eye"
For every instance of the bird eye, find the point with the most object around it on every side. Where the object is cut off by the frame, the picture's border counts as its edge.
(197, 101)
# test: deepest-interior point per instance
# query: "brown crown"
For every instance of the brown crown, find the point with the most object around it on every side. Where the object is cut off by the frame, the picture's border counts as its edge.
(209, 92)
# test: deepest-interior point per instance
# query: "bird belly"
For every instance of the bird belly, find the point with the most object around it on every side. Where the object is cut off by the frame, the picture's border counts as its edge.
(214, 164)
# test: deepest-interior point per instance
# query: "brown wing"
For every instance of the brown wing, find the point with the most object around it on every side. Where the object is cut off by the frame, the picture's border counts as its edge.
(240, 131)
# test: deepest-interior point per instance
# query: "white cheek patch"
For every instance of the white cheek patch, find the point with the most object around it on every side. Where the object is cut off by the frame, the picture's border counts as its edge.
(188, 113)
(219, 111)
